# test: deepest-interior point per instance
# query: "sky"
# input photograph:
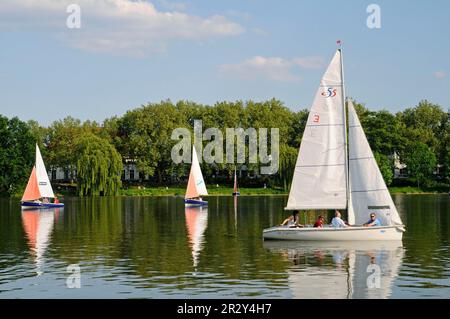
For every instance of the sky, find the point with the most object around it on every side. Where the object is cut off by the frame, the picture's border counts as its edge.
(128, 53)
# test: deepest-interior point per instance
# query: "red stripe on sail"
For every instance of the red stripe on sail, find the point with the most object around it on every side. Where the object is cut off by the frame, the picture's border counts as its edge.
(191, 191)
(32, 191)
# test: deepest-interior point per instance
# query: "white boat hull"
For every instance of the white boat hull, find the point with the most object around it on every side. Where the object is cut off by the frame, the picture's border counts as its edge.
(335, 234)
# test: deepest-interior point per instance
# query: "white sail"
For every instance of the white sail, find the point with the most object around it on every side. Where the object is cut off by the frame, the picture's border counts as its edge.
(369, 193)
(319, 180)
(45, 188)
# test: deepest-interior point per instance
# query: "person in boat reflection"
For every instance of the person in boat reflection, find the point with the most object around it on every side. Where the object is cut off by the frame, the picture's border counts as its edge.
(319, 222)
(337, 221)
(292, 221)
(373, 221)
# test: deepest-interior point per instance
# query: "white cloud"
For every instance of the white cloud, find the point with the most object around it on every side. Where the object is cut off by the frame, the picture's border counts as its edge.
(313, 62)
(115, 26)
(275, 69)
(440, 74)
(173, 5)
(271, 68)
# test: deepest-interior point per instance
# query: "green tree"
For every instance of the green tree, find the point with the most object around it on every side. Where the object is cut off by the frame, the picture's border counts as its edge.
(17, 150)
(383, 132)
(62, 139)
(99, 166)
(428, 123)
(144, 135)
(386, 167)
(420, 162)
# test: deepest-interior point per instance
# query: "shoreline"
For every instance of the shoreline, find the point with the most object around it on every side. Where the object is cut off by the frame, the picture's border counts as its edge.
(225, 191)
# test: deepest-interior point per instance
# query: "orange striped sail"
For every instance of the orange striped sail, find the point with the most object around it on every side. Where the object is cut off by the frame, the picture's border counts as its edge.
(32, 191)
(191, 191)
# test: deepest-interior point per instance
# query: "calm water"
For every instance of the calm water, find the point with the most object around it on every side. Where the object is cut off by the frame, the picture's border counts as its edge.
(154, 248)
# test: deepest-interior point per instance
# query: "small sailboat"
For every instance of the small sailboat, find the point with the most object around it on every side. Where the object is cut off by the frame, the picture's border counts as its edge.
(196, 185)
(235, 188)
(39, 192)
(330, 175)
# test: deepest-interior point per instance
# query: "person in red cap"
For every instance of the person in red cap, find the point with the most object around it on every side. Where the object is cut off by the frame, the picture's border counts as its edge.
(319, 222)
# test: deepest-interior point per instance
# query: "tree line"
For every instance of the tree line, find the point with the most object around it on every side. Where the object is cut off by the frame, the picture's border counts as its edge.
(97, 151)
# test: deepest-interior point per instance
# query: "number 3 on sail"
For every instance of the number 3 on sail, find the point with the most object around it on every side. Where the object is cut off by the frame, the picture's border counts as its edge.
(329, 174)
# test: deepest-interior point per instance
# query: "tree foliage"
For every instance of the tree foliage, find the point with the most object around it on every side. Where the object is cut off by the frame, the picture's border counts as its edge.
(420, 161)
(143, 136)
(99, 166)
(386, 167)
(17, 149)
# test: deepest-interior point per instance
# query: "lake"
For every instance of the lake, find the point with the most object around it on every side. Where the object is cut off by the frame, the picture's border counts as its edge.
(152, 247)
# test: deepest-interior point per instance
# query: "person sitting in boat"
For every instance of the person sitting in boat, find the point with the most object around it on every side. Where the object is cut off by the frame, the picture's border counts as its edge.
(319, 222)
(292, 221)
(45, 200)
(56, 200)
(373, 221)
(337, 221)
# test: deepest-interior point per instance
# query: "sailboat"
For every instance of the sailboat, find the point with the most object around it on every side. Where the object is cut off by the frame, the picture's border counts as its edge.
(196, 185)
(330, 175)
(39, 187)
(235, 188)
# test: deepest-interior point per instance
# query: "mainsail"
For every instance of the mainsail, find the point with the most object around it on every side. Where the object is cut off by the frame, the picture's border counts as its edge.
(369, 193)
(320, 176)
(38, 184)
(196, 185)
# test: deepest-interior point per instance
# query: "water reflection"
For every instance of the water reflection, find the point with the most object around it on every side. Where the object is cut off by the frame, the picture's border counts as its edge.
(149, 247)
(38, 226)
(340, 269)
(196, 223)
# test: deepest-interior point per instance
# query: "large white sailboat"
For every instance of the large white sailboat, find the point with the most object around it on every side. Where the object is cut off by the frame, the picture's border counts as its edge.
(330, 175)
(196, 185)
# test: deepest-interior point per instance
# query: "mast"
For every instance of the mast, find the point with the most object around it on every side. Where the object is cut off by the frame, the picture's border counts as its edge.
(344, 114)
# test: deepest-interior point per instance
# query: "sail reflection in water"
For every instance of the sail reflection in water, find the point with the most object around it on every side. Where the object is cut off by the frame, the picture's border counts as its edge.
(196, 223)
(38, 226)
(342, 270)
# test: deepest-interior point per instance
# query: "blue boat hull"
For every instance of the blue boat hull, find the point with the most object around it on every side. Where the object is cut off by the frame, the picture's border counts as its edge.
(194, 203)
(41, 205)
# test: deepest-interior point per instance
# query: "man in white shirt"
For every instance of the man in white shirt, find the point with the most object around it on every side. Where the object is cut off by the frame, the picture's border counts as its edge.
(337, 221)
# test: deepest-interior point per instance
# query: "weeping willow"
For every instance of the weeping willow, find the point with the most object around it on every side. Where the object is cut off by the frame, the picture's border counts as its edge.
(99, 167)
(288, 157)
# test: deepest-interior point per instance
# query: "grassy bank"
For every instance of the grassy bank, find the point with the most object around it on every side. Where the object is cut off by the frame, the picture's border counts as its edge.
(416, 190)
(162, 191)
(227, 191)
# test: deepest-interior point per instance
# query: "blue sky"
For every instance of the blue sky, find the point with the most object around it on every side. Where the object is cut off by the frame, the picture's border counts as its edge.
(128, 53)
